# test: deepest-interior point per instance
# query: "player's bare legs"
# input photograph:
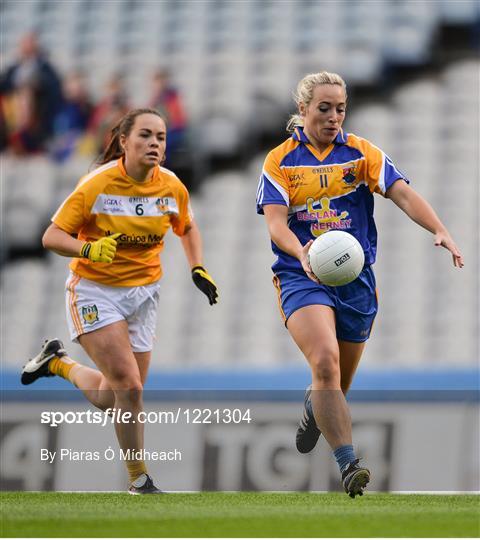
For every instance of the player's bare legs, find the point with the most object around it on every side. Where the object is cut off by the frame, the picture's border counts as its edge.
(98, 390)
(350, 354)
(93, 385)
(313, 329)
(96, 387)
(109, 347)
(118, 384)
(143, 363)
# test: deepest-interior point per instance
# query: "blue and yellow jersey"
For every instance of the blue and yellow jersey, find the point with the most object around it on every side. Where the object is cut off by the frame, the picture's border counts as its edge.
(108, 201)
(325, 191)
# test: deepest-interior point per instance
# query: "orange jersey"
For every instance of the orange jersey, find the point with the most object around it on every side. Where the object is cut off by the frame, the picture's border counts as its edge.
(108, 201)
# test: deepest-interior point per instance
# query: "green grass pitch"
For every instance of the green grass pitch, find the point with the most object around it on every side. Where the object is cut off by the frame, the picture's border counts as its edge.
(238, 515)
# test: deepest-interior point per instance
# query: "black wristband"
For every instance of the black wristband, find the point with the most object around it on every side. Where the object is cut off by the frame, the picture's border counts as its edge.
(85, 251)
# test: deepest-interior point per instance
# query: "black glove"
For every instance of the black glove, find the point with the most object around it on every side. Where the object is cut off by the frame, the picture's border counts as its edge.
(205, 283)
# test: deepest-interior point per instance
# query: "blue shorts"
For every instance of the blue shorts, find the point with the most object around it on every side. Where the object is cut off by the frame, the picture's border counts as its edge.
(355, 304)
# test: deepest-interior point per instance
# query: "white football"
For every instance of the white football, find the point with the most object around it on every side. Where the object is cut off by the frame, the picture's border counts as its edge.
(336, 258)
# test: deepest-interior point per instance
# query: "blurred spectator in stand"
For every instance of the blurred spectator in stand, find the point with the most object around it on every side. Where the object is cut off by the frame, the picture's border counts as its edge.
(166, 99)
(31, 94)
(3, 126)
(113, 106)
(73, 117)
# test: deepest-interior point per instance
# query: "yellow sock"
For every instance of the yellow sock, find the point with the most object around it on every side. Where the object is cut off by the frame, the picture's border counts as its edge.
(135, 469)
(62, 366)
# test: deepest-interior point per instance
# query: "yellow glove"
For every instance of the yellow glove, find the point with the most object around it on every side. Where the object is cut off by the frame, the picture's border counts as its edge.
(102, 250)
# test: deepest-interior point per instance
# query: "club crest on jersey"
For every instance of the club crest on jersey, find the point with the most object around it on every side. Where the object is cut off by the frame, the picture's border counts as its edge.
(90, 314)
(164, 206)
(348, 173)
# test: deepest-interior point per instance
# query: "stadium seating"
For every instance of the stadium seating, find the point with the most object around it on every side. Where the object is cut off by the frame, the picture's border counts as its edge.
(253, 42)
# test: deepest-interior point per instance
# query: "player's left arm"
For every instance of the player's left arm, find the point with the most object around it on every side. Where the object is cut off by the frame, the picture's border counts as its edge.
(420, 211)
(192, 246)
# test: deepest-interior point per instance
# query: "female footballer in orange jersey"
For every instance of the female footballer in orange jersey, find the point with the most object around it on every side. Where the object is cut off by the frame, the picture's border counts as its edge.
(322, 178)
(113, 225)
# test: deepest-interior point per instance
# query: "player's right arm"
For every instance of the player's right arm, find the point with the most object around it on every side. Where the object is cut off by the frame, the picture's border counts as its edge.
(73, 215)
(62, 243)
(281, 235)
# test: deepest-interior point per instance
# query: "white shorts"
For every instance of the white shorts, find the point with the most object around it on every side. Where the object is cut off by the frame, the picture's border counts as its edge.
(91, 306)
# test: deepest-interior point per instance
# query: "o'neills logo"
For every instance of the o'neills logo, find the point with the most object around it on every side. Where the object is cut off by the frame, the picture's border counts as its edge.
(342, 259)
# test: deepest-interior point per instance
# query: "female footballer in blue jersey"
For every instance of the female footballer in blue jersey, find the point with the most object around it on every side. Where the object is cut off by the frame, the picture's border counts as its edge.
(320, 179)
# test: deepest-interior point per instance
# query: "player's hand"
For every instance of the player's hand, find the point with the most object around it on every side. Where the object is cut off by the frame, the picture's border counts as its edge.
(445, 240)
(305, 264)
(205, 283)
(102, 250)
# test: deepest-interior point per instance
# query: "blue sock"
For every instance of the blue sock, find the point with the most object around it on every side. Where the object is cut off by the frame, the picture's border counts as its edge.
(344, 455)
